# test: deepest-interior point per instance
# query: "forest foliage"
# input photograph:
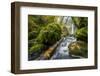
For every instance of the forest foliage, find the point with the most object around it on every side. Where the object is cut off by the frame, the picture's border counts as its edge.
(45, 31)
(80, 47)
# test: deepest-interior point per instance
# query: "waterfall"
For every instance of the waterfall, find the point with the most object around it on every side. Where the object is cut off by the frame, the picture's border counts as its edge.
(68, 22)
(72, 29)
(62, 50)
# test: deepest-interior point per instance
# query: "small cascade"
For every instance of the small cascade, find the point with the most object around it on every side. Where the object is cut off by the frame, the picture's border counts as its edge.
(62, 51)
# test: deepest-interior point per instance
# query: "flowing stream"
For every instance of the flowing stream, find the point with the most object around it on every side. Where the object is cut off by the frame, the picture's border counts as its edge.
(62, 51)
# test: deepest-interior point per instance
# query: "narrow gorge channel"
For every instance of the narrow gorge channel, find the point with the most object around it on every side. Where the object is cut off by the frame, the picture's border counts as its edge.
(62, 51)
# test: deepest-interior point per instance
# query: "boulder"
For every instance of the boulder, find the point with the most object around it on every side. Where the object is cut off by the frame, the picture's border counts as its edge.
(78, 48)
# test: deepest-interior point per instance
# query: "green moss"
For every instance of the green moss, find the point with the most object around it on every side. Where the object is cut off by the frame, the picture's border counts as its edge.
(64, 30)
(32, 35)
(82, 34)
(50, 34)
(80, 21)
(36, 48)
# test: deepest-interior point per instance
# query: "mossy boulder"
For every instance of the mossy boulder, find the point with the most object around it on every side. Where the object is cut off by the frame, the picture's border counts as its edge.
(36, 48)
(80, 21)
(78, 48)
(81, 34)
(50, 34)
(35, 51)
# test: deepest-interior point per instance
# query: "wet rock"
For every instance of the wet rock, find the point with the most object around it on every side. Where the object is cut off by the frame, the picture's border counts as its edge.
(78, 48)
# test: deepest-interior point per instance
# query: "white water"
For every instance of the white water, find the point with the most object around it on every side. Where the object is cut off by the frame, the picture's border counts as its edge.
(62, 51)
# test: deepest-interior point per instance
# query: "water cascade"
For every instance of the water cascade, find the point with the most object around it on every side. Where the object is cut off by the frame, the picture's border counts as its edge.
(62, 51)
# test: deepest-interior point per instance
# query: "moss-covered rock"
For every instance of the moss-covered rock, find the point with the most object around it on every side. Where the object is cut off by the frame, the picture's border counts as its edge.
(35, 51)
(78, 48)
(32, 35)
(64, 30)
(82, 34)
(36, 48)
(80, 21)
(50, 34)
